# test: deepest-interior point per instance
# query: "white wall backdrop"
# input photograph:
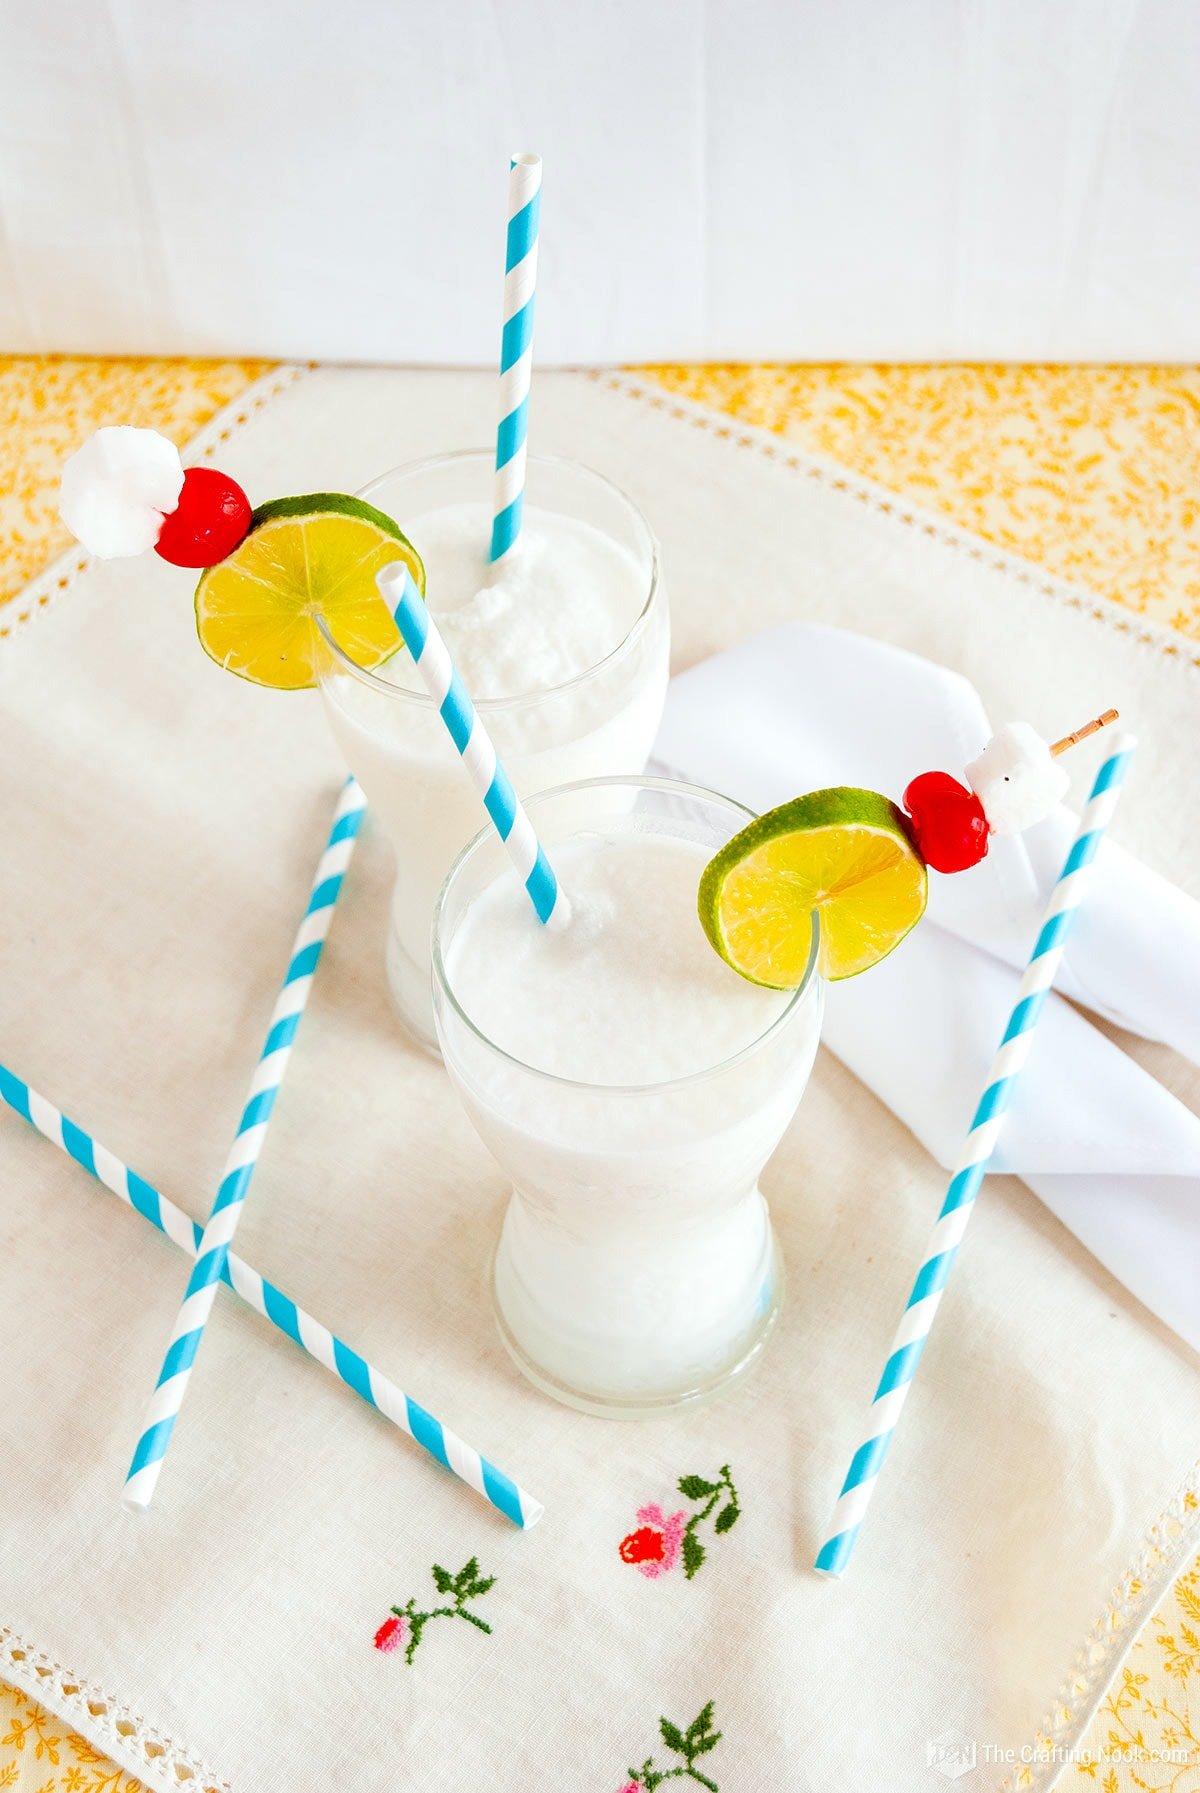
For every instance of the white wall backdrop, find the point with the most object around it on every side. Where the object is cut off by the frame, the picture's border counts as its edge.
(793, 179)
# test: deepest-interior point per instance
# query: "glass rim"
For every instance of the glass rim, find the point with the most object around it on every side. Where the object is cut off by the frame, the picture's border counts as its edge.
(641, 781)
(492, 706)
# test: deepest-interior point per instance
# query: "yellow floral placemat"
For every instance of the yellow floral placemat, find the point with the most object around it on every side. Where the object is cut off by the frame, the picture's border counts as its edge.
(1146, 1734)
(1092, 472)
(41, 1754)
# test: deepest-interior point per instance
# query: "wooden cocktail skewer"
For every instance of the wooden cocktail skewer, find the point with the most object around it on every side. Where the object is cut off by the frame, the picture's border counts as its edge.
(1081, 734)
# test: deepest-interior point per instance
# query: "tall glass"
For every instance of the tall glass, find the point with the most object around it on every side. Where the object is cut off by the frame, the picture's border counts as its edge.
(602, 720)
(637, 1267)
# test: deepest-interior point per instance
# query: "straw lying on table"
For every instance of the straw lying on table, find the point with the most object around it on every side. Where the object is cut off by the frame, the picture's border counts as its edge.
(221, 1225)
(516, 349)
(867, 1462)
(448, 692)
(457, 1456)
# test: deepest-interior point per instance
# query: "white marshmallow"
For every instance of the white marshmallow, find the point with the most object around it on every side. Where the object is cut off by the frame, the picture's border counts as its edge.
(1016, 780)
(117, 489)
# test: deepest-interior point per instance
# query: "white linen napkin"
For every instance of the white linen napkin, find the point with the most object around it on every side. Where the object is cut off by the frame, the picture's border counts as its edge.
(1107, 1148)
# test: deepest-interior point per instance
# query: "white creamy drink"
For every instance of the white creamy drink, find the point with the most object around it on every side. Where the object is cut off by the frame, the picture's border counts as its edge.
(562, 601)
(563, 646)
(630, 991)
(632, 1086)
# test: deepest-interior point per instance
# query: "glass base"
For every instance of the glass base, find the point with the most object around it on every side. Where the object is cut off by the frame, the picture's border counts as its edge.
(746, 1351)
(412, 996)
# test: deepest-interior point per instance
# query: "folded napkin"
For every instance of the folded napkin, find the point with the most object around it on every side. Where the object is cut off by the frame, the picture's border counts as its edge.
(1106, 1147)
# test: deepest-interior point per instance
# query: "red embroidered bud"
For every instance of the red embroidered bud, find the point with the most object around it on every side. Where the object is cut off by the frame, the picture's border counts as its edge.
(645, 1545)
(389, 1635)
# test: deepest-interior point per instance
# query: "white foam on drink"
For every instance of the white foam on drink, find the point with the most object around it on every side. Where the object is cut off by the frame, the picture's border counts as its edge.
(563, 599)
(630, 992)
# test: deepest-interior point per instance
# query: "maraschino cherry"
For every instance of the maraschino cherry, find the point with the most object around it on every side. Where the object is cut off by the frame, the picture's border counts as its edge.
(211, 518)
(948, 821)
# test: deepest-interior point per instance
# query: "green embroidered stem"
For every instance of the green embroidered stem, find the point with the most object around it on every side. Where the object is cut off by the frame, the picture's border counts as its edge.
(471, 1619)
(697, 1740)
(694, 1487)
(658, 1776)
(464, 1586)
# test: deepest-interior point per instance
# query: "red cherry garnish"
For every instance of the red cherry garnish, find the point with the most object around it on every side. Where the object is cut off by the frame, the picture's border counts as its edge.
(948, 821)
(211, 518)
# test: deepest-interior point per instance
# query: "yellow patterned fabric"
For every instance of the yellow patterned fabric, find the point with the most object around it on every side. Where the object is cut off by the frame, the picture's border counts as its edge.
(1146, 1734)
(39, 1754)
(1092, 472)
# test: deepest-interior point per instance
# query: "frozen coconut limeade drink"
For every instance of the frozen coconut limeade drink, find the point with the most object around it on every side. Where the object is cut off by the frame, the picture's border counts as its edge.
(631, 1087)
(563, 645)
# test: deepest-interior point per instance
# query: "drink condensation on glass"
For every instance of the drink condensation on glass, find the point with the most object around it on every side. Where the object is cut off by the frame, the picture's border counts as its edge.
(563, 646)
(632, 1087)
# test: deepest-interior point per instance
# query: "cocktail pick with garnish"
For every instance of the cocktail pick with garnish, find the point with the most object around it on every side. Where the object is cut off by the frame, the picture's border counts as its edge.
(860, 861)
(1014, 784)
(326, 554)
(266, 573)
(127, 491)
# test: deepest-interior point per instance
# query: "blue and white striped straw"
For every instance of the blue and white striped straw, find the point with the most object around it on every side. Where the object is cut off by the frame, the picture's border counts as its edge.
(433, 662)
(867, 1462)
(460, 1458)
(516, 349)
(222, 1222)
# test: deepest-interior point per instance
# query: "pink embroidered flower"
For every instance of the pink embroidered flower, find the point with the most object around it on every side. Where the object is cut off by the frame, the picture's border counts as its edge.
(631, 1787)
(390, 1634)
(653, 1548)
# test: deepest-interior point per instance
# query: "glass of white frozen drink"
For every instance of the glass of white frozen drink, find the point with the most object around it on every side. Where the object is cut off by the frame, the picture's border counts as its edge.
(563, 646)
(631, 1086)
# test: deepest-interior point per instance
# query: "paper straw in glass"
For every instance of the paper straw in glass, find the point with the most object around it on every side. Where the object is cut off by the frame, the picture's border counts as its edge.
(441, 681)
(516, 349)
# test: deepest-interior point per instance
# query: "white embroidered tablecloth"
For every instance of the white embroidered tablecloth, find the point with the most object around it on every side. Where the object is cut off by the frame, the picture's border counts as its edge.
(162, 821)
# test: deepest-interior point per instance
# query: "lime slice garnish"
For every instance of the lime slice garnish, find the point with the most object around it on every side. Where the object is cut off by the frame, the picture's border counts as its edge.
(844, 852)
(255, 609)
